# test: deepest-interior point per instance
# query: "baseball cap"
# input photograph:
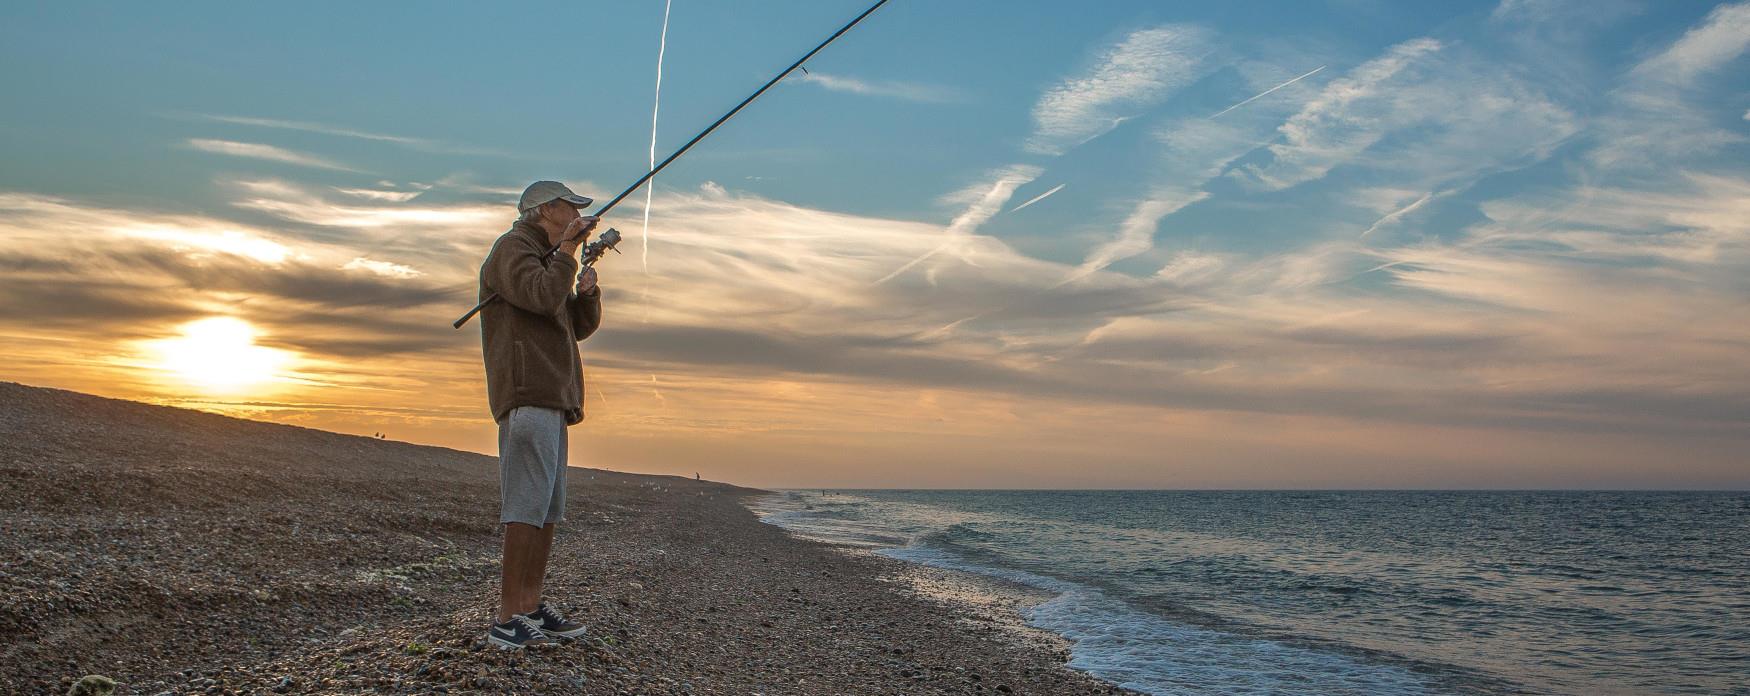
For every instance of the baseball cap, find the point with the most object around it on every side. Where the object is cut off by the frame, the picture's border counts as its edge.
(542, 192)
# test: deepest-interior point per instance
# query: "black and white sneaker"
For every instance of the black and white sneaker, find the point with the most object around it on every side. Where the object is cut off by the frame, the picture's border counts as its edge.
(552, 624)
(518, 633)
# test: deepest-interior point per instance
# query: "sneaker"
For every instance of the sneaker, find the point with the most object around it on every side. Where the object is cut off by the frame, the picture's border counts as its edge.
(552, 624)
(518, 633)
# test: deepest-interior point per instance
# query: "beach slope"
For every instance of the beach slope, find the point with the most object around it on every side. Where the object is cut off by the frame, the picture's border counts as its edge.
(177, 551)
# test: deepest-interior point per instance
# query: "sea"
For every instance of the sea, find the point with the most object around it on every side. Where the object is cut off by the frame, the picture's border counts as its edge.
(1343, 592)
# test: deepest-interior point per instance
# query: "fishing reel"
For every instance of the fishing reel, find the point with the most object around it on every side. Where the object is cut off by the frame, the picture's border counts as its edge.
(594, 250)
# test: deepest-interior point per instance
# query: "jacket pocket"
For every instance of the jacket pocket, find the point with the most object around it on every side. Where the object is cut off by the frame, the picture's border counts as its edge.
(519, 367)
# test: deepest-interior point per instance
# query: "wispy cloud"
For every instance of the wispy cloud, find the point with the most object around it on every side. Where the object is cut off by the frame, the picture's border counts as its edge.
(908, 91)
(1136, 233)
(1194, 151)
(1346, 118)
(311, 128)
(1559, 12)
(984, 200)
(1126, 78)
(383, 268)
(1720, 38)
(827, 332)
(1423, 115)
(1654, 116)
(32, 217)
(296, 203)
(265, 152)
(761, 293)
(421, 144)
(380, 195)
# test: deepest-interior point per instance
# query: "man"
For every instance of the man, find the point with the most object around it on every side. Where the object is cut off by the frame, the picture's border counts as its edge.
(534, 384)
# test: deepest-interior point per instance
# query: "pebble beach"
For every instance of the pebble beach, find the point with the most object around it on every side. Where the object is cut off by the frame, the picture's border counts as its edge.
(172, 551)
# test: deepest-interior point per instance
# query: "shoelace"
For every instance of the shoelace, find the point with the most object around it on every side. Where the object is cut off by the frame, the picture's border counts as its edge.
(547, 613)
(533, 625)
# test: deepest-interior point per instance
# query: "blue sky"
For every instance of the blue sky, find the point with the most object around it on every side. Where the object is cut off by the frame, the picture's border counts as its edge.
(1518, 220)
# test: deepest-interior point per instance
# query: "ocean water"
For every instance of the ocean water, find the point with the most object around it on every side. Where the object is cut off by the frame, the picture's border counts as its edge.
(1186, 592)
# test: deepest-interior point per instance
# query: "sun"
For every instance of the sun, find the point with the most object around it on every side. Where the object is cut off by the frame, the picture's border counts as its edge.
(218, 354)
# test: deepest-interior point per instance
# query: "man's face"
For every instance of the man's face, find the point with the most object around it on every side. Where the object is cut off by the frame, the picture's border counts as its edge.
(561, 213)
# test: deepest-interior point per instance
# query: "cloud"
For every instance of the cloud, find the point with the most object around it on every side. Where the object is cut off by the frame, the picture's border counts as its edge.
(421, 144)
(1700, 223)
(1194, 151)
(35, 219)
(1720, 39)
(1653, 115)
(265, 152)
(379, 195)
(382, 268)
(908, 91)
(300, 204)
(178, 261)
(1424, 115)
(1190, 267)
(1561, 14)
(1136, 233)
(1503, 325)
(1126, 78)
(1349, 115)
(309, 127)
(983, 201)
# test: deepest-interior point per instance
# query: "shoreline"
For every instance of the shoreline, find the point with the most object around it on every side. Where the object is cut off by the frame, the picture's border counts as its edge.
(978, 597)
(179, 552)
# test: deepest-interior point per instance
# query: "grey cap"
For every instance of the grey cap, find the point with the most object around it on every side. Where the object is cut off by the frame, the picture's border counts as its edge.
(543, 192)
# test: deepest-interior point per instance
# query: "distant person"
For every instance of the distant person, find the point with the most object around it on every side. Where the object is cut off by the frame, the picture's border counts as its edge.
(534, 384)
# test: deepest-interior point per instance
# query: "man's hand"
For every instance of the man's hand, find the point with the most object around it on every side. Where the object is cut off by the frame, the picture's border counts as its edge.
(576, 233)
(586, 280)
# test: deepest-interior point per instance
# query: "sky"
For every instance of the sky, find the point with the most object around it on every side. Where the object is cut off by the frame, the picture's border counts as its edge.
(1341, 244)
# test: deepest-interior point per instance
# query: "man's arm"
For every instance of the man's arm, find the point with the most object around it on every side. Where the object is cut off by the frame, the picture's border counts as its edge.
(586, 312)
(517, 275)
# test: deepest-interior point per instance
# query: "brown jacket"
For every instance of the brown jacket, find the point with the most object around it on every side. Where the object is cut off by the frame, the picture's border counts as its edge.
(530, 334)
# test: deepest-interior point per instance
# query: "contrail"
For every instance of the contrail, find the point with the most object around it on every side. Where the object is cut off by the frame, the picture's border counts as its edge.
(1038, 198)
(978, 213)
(1272, 89)
(1400, 212)
(598, 388)
(650, 189)
(655, 108)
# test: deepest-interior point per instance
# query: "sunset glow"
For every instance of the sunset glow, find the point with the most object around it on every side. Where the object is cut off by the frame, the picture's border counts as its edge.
(1481, 243)
(219, 355)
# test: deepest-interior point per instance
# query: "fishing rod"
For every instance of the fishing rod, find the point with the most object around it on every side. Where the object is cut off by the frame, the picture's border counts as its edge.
(677, 153)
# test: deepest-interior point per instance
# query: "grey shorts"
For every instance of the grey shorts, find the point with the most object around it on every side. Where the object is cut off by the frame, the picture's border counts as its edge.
(531, 466)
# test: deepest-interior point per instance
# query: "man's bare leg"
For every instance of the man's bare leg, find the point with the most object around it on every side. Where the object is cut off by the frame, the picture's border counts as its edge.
(520, 543)
(536, 577)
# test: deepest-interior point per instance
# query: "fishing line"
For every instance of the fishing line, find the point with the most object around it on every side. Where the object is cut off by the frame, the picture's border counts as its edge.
(598, 246)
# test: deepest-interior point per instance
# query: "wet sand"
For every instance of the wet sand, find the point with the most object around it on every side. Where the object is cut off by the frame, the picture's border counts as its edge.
(183, 552)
